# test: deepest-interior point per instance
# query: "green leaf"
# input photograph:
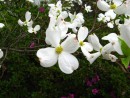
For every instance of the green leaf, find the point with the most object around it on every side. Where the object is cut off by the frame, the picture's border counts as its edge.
(126, 61)
(124, 47)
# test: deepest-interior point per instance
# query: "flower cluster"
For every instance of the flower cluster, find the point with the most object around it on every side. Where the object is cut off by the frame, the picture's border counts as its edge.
(91, 82)
(66, 33)
(28, 22)
(112, 9)
(63, 44)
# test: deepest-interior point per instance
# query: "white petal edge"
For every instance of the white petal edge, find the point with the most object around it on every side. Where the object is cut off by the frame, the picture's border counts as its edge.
(82, 33)
(87, 46)
(1, 54)
(27, 16)
(92, 57)
(102, 5)
(47, 56)
(67, 62)
(20, 22)
(1, 25)
(37, 28)
(94, 40)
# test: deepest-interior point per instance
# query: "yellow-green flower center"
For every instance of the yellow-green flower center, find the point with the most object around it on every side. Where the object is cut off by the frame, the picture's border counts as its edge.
(81, 43)
(113, 6)
(25, 23)
(59, 49)
(100, 49)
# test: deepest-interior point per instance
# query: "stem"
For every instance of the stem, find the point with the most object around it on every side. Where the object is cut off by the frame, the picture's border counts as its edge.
(37, 15)
(94, 22)
(122, 67)
(19, 50)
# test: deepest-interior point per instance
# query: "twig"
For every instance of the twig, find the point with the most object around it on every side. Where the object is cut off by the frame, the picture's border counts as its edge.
(94, 22)
(122, 67)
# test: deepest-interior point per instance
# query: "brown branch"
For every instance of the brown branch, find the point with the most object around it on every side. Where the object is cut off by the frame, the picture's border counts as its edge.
(19, 50)
(122, 67)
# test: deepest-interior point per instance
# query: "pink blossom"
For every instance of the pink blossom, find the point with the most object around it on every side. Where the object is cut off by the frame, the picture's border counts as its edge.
(32, 45)
(71, 95)
(95, 91)
(41, 9)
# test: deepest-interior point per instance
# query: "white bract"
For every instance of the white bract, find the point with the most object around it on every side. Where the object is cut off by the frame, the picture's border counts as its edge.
(37, 2)
(32, 1)
(79, 2)
(28, 21)
(103, 18)
(1, 54)
(110, 24)
(125, 31)
(1, 25)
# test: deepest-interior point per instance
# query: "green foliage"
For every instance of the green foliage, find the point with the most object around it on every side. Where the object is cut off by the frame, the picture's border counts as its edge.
(125, 48)
(126, 51)
(29, 79)
(126, 61)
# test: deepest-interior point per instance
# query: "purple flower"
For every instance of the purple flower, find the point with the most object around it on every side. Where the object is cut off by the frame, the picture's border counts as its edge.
(71, 95)
(89, 83)
(95, 79)
(41, 9)
(32, 45)
(95, 91)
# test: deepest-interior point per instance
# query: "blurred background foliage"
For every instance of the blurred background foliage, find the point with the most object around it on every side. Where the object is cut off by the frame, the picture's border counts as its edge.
(21, 75)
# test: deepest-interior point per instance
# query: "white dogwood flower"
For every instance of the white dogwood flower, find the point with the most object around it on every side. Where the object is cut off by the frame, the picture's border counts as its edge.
(106, 6)
(28, 21)
(104, 51)
(59, 52)
(88, 8)
(107, 17)
(34, 30)
(113, 39)
(82, 34)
